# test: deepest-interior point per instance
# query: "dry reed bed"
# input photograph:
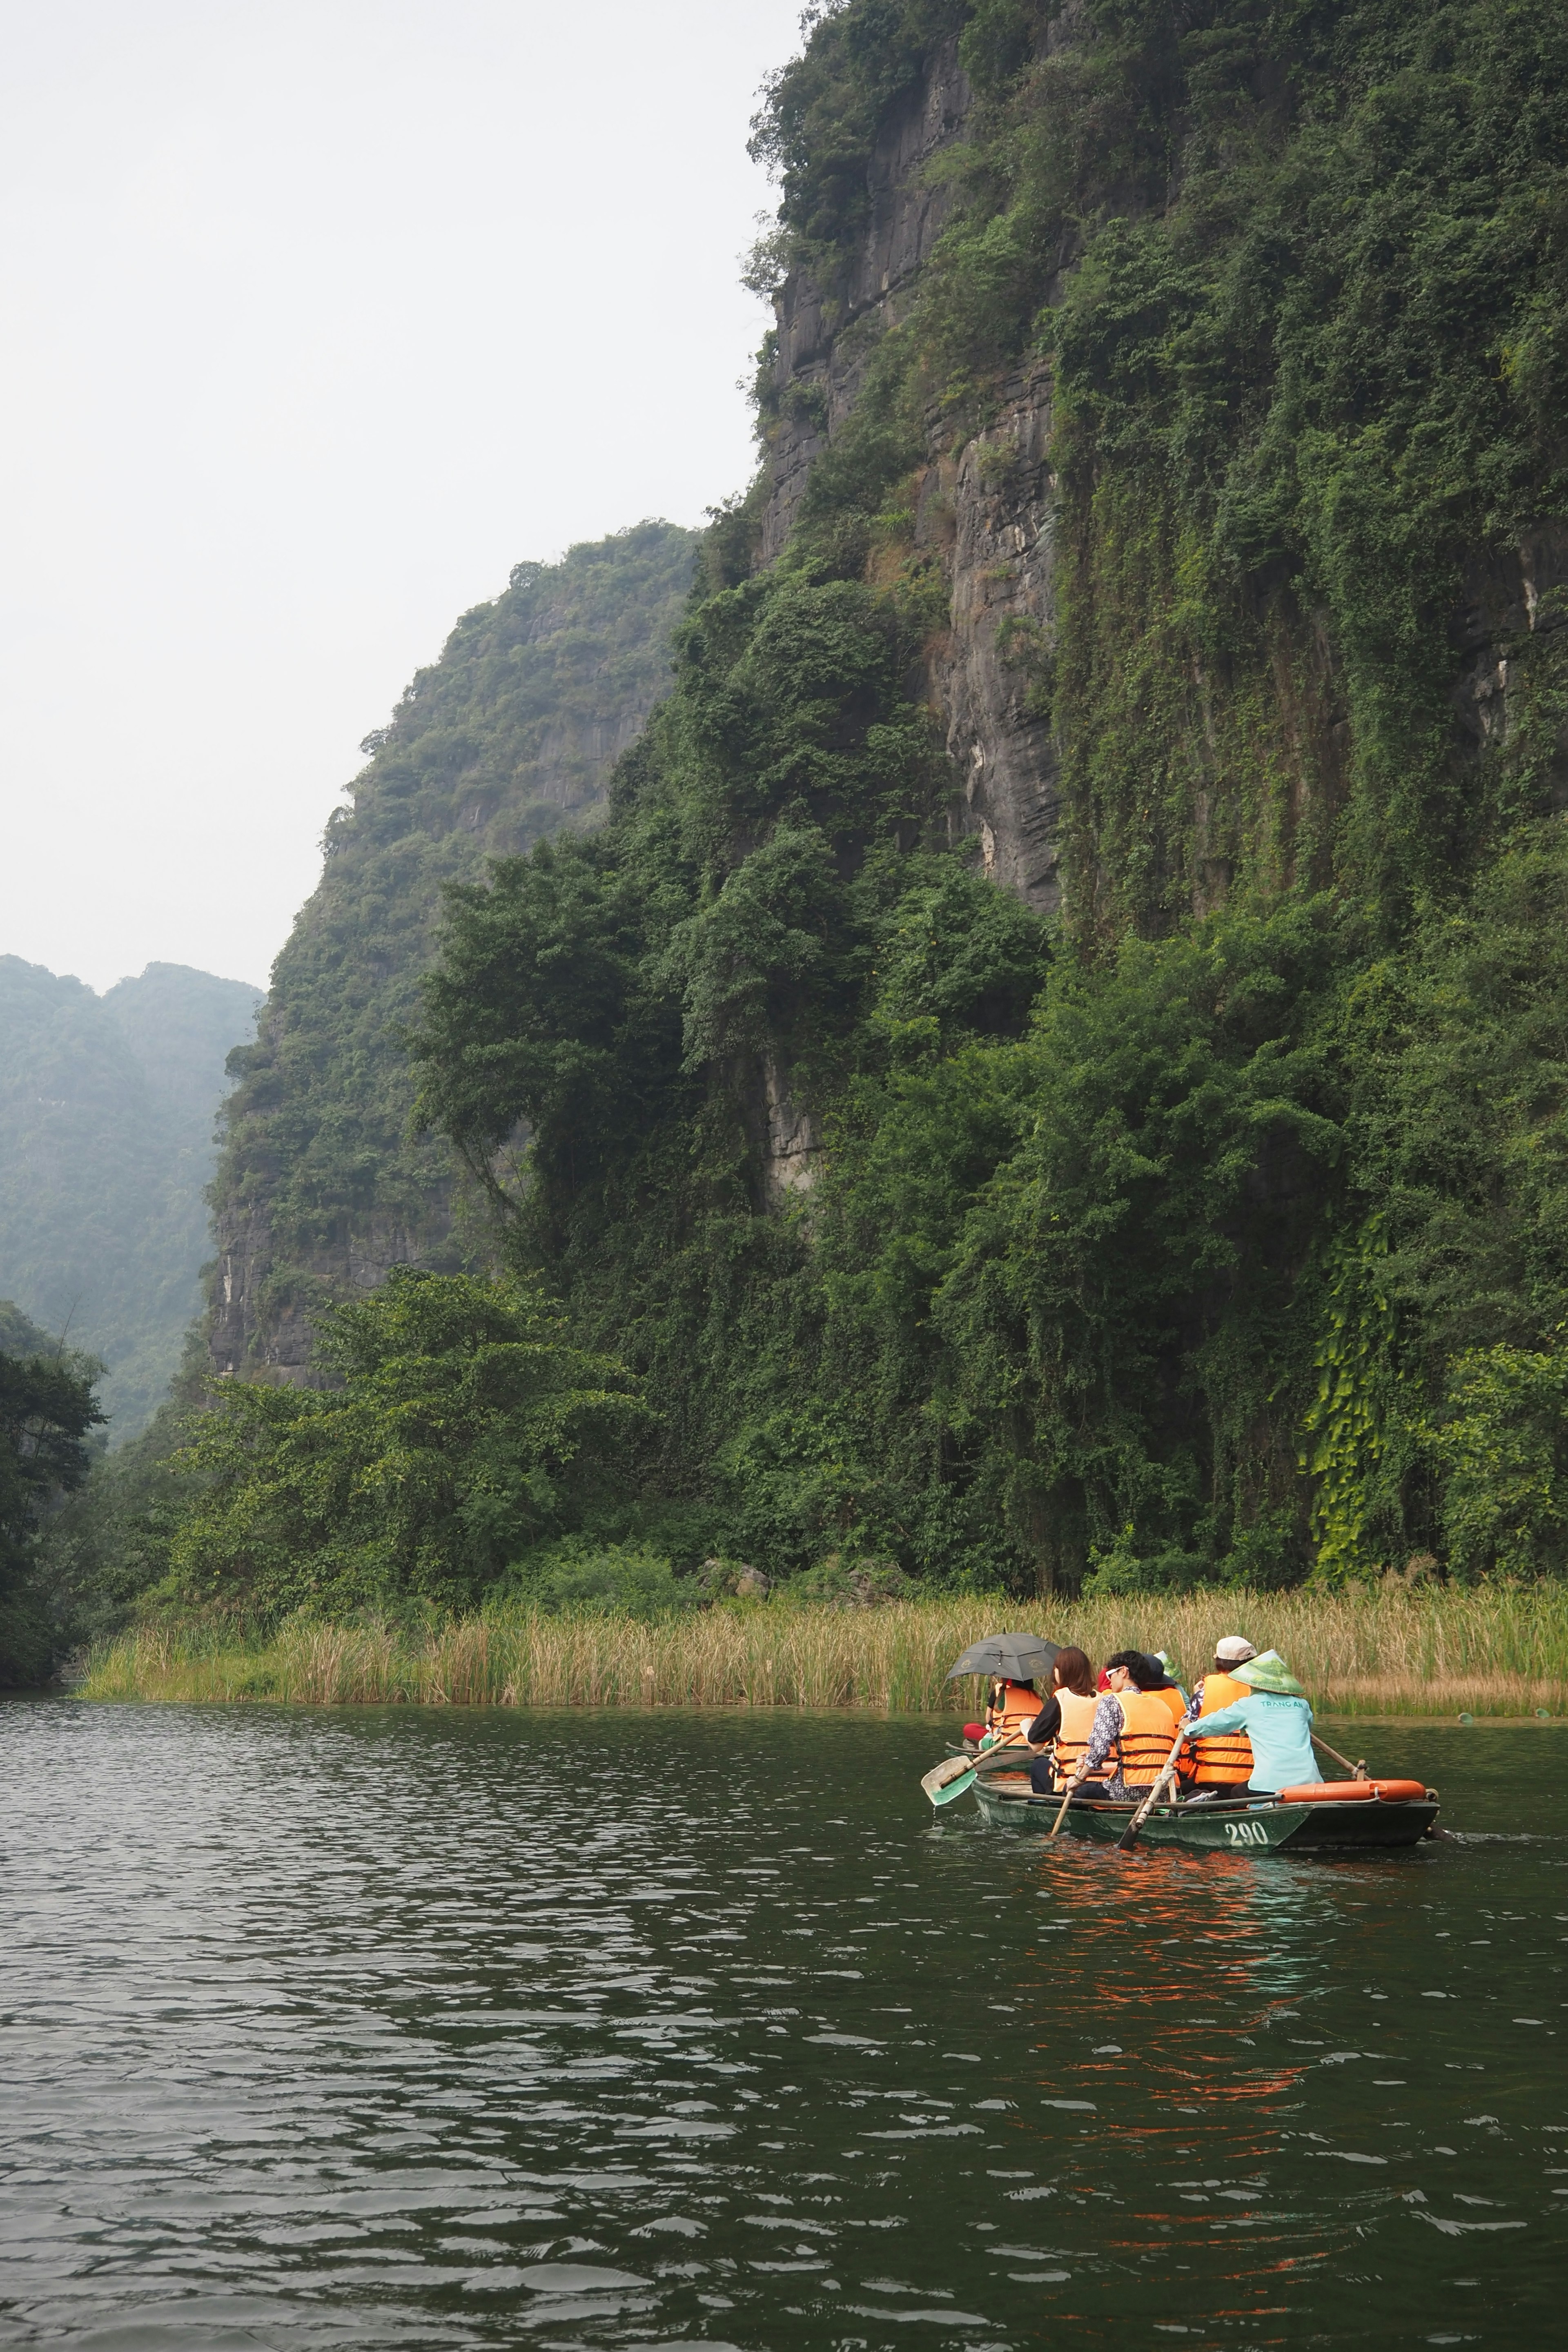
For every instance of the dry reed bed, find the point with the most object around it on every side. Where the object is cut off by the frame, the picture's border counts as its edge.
(1488, 1653)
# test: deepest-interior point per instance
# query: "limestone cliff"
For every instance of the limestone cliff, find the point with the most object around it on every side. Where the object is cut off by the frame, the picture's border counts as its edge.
(511, 735)
(986, 510)
(986, 501)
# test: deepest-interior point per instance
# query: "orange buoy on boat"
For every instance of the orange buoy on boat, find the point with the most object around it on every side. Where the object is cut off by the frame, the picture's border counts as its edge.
(1340, 1793)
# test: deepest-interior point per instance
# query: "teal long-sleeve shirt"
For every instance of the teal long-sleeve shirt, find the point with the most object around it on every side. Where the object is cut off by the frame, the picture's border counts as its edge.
(1280, 1730)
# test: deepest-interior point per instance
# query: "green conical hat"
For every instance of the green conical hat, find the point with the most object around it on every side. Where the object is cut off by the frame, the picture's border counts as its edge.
(1269, 1673)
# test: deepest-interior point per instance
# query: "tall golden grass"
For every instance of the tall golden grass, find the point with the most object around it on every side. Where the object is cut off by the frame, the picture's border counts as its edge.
(1501, 1652)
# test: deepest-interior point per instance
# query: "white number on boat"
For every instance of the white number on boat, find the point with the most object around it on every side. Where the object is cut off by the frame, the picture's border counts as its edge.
(1246, 1832)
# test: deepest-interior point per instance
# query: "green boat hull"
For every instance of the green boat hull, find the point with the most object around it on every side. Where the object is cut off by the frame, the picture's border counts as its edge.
(1258, 1828)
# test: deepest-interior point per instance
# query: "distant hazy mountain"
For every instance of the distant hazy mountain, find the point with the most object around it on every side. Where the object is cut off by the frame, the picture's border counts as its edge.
(107, 1105)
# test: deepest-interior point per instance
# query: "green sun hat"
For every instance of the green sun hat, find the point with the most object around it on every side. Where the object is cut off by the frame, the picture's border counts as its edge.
(1269, 1673)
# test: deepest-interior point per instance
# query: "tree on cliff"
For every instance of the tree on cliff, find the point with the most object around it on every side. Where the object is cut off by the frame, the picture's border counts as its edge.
(1245, 1259)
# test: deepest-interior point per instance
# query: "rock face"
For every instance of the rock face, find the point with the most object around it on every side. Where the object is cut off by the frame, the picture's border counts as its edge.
(262, 1298)
(987, 513)
(319, 1190)
(1510, 600)
(823, 343)
(993, 507)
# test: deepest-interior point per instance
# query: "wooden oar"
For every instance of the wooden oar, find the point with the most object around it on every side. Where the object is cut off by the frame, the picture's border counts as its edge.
(1073, 1785)
(954, 1774)
(1356, 1772)
(1128, 1838)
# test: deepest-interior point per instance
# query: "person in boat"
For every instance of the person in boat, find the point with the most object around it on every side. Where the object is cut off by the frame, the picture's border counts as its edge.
(1225, 1763)
(1151, 1672)
(1163, 1658)
(1277, 1721)
(1010, 1708)
(1061, 1729)
(1129, 1736)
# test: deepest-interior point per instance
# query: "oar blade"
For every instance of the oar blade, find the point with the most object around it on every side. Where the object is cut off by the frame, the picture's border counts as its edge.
(944, 1775)
(945, 1795)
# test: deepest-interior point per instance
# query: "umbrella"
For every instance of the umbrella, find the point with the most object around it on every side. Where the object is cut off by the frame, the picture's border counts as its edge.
(1017, 1658)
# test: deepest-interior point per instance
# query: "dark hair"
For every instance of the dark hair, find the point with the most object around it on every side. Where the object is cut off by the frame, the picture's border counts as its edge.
(1147, 1673)
(1072, 1672)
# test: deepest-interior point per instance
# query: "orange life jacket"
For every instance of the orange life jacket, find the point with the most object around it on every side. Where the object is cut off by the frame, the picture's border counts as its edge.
(1146, 1742)
(1169, 1695)
(1017, 1706)
(1225, 1762)
(1069, 1746)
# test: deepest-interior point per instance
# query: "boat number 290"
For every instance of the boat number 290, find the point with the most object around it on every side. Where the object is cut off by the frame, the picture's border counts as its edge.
(1247, 1834)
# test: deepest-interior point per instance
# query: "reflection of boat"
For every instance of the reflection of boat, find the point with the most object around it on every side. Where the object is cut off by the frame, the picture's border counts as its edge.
(1006, 1800)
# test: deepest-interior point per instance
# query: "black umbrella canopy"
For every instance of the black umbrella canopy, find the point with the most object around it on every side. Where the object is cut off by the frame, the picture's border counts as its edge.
(1017, 1658)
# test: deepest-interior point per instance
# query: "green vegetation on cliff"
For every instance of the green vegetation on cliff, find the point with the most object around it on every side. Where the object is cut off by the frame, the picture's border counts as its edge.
(1215, 1230)
(460, 1412)
(507, 738)
(1246, 1255)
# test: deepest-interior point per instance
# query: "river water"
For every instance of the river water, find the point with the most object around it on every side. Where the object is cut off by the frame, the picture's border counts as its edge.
(415, 2029)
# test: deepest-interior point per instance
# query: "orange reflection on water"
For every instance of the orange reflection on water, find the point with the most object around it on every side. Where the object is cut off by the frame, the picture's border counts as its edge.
(1168, 1966)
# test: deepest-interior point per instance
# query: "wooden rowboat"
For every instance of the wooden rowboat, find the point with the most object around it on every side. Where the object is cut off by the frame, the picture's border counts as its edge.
(1261, 1825)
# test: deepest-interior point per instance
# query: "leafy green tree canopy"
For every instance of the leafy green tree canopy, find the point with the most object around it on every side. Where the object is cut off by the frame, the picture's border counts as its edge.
(463, 1414)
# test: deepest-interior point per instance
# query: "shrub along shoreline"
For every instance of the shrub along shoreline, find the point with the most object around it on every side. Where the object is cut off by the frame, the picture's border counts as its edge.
(1489, 1651)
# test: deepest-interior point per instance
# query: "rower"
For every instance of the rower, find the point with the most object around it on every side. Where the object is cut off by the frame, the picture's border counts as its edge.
(1225, 1762)
(1278, 1722)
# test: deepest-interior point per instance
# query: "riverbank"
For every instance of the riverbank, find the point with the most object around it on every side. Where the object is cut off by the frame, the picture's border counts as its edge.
(1484, 1652)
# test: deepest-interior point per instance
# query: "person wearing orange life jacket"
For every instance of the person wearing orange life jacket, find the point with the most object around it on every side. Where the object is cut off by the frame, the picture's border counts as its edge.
(1010, 1708)
(1060, 1731)
(1225, 1762)
(1151, 1672)
(1132, 1731)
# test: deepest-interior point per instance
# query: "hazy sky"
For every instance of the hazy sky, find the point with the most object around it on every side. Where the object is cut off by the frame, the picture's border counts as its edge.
(318, 316)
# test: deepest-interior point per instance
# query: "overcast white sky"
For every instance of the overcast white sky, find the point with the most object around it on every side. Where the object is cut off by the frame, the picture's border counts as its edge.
(318, 315)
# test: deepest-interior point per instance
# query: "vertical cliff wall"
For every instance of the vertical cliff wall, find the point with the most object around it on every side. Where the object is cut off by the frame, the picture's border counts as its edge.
(1167, 476)
(981, 501)
(1205, 476)
(510, 737)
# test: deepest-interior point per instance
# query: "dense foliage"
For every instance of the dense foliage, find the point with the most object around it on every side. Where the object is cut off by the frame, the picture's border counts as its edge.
(447, 1450)
(1239, 1252)
(47, 1412)
(1216, 1232)
(507, 738)
(107, 1108)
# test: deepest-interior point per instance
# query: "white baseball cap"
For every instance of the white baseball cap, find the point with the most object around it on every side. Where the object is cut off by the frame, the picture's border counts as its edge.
(1234, 1650)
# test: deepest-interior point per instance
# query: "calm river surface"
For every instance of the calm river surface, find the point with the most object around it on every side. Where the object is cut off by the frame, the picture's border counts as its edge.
(405, 2029)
